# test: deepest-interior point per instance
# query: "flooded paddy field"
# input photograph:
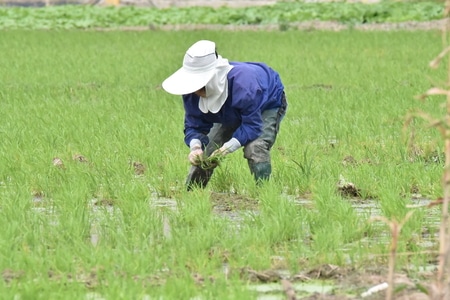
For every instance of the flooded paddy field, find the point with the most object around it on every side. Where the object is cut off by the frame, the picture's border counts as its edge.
(93, 203)
(324, 281)
(327, 281)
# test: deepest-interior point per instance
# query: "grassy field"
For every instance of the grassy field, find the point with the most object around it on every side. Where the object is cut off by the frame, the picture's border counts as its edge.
(93, 203)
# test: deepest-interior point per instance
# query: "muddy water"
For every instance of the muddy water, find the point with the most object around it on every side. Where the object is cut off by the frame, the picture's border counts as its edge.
(366, 209)
(163, 204)
(97, 215)
(274, 291)
(234, 208)
(96, 211)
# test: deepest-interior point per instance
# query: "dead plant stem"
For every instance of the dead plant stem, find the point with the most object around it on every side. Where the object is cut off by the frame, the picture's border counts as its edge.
(395, 228)
(444, 226)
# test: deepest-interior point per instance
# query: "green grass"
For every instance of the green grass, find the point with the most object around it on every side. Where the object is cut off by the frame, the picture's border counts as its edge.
(99, 95)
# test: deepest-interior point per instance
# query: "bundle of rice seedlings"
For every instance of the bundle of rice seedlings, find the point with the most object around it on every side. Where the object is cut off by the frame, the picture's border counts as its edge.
(210, 162)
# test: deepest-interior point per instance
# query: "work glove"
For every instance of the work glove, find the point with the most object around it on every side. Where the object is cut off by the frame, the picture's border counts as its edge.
(195, 156)
(230, 146)
(222, 151)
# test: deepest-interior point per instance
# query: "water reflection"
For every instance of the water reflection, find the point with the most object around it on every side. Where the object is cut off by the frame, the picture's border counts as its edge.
(274, 291)
(100, 211)
(163, 204)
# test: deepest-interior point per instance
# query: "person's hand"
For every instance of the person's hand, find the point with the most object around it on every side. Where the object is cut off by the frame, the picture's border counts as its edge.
(195, 156)
(220, 152)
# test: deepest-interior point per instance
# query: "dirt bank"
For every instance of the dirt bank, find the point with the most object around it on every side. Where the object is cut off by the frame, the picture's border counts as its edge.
(306, 26)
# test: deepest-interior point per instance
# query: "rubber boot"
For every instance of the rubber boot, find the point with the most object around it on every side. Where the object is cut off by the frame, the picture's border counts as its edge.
(261, 171)
(198, 177)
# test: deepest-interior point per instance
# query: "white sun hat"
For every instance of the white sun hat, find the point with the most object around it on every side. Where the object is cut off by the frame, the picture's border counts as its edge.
(199, 65)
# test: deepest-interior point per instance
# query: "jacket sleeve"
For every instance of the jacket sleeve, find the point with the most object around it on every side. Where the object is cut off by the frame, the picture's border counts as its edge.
(195, 126)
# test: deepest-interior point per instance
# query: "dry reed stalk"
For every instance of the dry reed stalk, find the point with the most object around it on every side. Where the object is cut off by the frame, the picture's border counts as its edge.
(444, 239)
(288, 289)
(440, 289)
(395, 228)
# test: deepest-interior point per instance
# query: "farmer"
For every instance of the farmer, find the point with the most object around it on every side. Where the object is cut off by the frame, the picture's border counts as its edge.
(228, 105)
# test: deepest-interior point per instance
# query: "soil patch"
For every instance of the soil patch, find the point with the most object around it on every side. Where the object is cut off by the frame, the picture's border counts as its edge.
(225, 202)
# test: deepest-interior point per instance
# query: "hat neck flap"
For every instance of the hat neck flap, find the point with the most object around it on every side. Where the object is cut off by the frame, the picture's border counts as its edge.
(216, 88)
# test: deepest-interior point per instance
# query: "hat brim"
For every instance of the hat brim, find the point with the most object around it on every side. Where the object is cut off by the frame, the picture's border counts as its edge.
(183, 82)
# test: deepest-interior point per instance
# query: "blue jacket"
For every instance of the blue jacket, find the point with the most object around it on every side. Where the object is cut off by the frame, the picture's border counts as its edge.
(252, 88)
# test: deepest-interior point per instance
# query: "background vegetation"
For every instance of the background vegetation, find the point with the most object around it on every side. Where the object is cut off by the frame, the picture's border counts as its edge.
(85, 16)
